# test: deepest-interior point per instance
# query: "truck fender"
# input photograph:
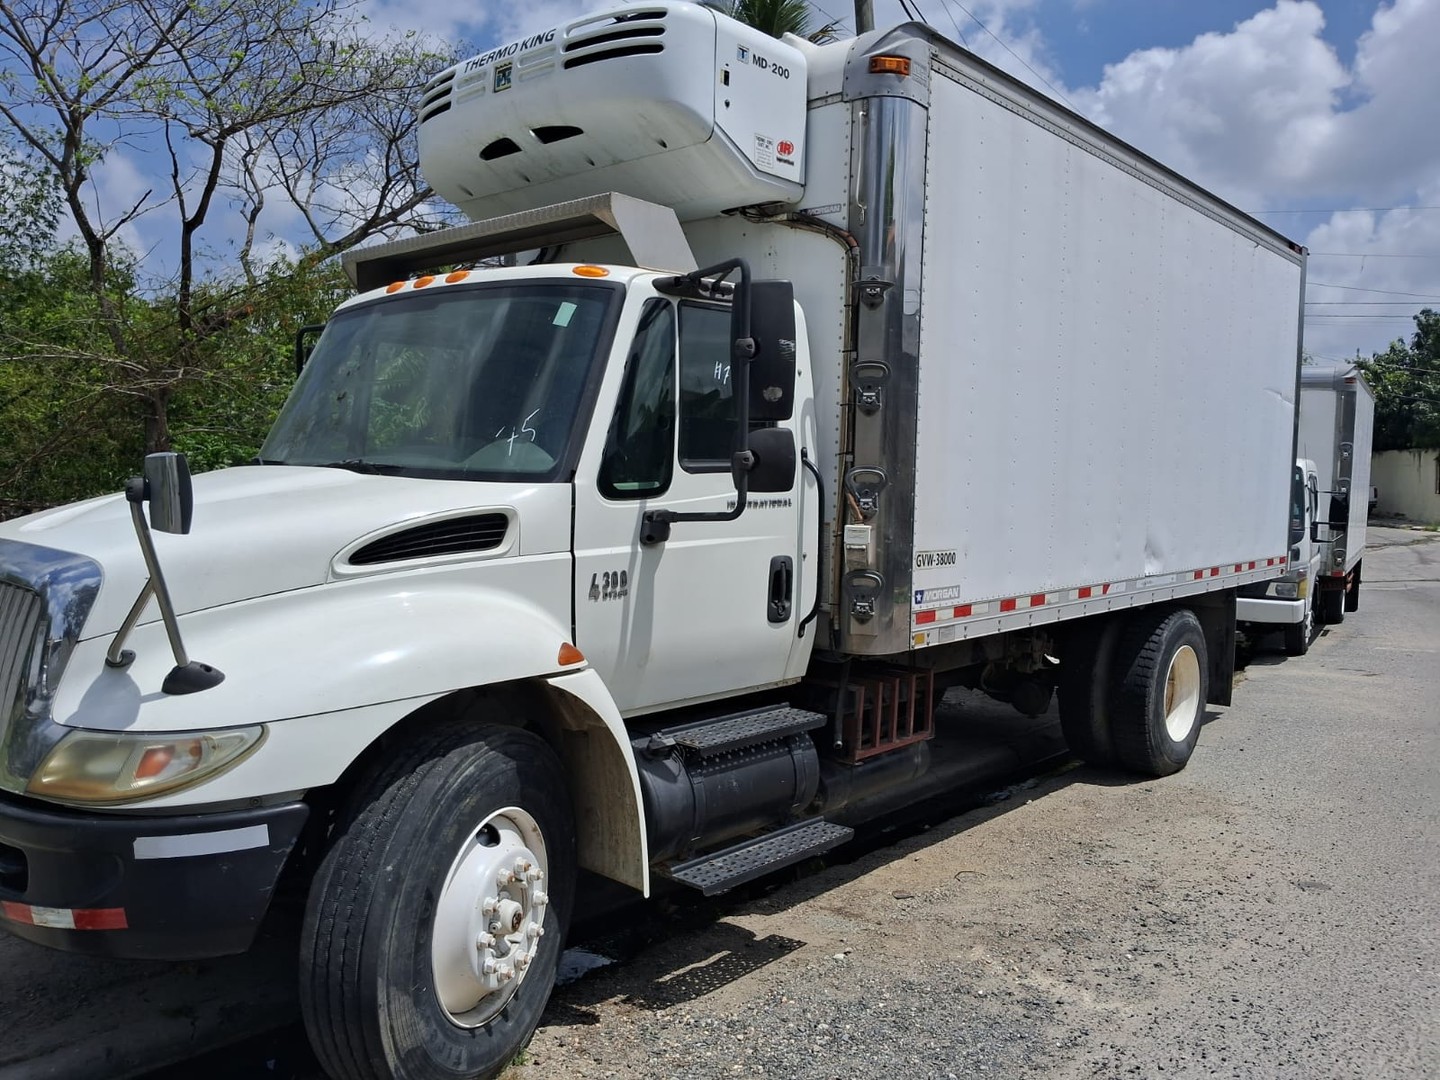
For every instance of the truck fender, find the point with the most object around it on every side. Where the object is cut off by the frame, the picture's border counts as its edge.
(609, 811)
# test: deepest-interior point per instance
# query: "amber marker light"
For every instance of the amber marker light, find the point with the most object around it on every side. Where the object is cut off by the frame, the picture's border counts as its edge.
(890, 65)
(421, 282)
(394, 286)
(569, 655)
(591, 271)
(457, 275)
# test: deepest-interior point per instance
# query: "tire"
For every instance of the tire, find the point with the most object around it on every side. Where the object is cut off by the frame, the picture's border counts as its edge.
(1298, 635)
(1158, 697)
(1083, 686)
(1332, 606)
(424, 841)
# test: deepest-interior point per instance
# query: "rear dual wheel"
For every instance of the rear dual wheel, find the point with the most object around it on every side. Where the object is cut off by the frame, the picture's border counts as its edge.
(1159, 691)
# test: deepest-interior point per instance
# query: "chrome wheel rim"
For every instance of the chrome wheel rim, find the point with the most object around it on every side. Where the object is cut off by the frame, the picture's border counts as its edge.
(1182, 693)
(490, 917)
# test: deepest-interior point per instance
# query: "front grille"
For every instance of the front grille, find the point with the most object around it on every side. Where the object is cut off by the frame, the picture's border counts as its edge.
(21, 612)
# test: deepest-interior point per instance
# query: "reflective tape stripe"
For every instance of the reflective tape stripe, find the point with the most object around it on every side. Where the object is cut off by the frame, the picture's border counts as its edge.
(65, 918)
(211, 843)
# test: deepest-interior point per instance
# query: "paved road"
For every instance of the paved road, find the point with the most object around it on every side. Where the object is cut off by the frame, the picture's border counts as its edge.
(1269, 912)
(1272, 911)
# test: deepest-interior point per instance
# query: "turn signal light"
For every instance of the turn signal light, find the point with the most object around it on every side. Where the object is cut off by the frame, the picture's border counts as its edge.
(569, 655)
(890, 65)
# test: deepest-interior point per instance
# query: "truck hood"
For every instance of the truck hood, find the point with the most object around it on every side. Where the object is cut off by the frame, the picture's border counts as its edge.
(263, 530)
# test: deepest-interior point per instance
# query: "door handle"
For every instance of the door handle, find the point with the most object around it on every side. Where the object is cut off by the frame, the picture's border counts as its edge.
(782, 582)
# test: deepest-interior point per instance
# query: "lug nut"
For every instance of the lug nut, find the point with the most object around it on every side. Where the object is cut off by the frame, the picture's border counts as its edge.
(540, 899)
(489, 967)
(489, 906)
(505, 877)
(484, 941)
(522, 961)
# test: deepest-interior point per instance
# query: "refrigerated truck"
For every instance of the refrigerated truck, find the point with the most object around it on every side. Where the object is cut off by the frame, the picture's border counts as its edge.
(1327, 530)
(830, 376)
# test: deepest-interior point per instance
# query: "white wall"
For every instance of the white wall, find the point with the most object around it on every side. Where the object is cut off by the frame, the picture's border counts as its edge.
(1407, 480)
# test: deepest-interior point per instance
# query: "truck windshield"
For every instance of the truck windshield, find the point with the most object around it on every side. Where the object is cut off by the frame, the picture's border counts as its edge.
(478, 383)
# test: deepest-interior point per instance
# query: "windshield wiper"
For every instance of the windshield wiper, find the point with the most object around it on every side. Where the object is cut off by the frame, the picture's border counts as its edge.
(370, 468)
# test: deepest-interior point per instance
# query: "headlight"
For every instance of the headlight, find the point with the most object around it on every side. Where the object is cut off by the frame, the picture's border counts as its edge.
(1286, 590)
(103, 767)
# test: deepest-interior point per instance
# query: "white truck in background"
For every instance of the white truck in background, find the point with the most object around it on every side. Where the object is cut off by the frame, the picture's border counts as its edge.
(1327, 525)
(834, 375)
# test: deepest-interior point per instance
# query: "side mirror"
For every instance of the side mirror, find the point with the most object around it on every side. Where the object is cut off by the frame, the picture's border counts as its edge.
(774, 459)
(169, 492)
(305, 340)
(772, 369)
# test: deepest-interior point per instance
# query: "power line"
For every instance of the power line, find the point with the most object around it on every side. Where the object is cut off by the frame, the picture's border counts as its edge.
(1377, 292)
(833, 20)
(1347, 210)
(950, 15)
(1011, 51)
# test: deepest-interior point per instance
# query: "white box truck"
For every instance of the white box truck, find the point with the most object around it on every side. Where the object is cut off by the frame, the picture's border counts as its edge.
(1327, 525)
(830, 377)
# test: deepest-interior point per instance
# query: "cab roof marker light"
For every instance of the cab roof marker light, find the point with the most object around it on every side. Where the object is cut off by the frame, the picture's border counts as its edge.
(421, 282)
(394, 286)
(456, 275)
(591, 271)
(890, 65)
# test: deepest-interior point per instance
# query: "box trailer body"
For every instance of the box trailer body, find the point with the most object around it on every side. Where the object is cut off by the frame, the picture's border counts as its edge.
(829, 377)
(1327, 544)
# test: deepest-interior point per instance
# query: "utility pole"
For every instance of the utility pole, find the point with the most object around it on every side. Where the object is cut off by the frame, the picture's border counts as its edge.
(864, 16)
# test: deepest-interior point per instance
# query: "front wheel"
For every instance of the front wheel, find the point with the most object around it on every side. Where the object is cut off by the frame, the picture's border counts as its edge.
(1160, 692)
(435, 922)
(1298, 635)
(1332, 606)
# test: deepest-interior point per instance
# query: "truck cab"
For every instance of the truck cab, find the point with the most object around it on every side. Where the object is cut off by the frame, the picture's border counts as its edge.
(1288, 602)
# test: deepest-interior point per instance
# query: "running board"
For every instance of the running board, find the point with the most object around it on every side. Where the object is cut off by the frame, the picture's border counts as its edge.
(706, 738)
(750, 859)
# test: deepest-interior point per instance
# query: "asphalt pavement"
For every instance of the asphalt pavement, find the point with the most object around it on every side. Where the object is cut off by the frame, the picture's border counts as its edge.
(1269, 912)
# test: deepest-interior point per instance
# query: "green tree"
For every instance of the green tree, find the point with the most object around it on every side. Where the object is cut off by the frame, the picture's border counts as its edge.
(1406, 382)
(240, 102)
(779, 17)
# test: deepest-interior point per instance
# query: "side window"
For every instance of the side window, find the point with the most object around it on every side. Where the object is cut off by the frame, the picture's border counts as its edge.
(707, 401)
(640, 449)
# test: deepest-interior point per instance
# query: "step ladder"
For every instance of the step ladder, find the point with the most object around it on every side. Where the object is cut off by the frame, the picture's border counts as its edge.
(750, 859)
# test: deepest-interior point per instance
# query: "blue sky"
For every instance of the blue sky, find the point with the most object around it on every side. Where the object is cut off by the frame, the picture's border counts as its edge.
(1325, 107)
(1316, 115)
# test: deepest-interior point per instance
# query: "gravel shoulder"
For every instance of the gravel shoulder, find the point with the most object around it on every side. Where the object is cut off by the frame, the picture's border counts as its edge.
(1271, 911)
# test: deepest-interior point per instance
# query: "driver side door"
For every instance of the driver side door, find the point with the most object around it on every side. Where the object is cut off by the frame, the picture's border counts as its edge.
(694, 617)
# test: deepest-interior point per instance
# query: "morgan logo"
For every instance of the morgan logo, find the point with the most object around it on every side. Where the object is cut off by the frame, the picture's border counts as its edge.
(785, 148)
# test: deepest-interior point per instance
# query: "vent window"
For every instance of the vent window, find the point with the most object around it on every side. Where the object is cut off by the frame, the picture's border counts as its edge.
(614, 54)
(554, 133)
(456, 536)
(499, 148)
(591, 40)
